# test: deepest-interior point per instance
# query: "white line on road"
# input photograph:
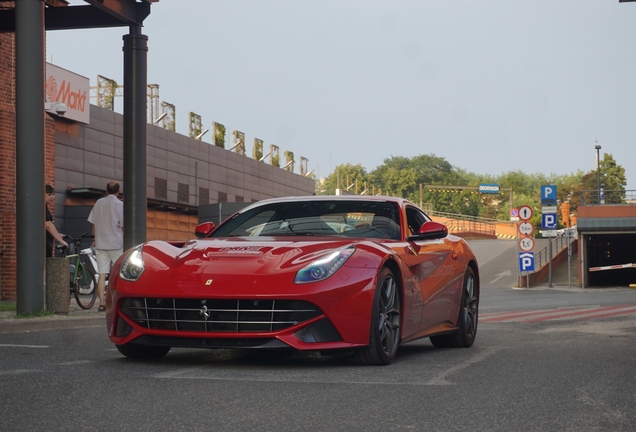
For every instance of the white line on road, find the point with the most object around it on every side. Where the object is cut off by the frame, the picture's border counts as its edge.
(500, 275)
(23, 346)
(74, 363)
(440, 379)
(19, 371)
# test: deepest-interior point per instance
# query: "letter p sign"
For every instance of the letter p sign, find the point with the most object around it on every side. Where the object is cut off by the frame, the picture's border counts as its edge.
(548, 194)
(526, 261)
(548, 221)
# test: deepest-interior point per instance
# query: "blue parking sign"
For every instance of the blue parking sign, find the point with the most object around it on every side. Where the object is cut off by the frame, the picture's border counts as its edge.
(548, 194)
(548, 221)
(526, 261)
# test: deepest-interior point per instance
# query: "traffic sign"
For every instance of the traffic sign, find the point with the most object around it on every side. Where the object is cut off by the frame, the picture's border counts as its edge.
(514, 212)
(548, 194)
(549, 209)
(526, 261)
(525, 212)
(525, 228)
(526, 244)
(548, 221)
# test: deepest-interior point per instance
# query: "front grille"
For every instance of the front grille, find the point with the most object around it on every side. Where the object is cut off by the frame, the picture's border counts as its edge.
(211, 315)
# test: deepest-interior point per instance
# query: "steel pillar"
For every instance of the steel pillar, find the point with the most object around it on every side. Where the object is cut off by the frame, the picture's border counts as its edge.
(30, 213)
(135, 136)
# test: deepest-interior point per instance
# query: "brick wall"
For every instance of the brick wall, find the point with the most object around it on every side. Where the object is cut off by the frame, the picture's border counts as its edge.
(7, 167)
(8, 275)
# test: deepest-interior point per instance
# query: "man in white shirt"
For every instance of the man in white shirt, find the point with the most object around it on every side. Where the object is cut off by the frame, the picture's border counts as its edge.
(107, 218)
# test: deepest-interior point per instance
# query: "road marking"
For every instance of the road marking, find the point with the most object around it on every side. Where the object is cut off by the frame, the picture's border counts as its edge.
(499, 252)
(23, 346)
(19, 371)
(204, 373)
(74, 363)
(558, 314)
(440, 379)
(500, 275)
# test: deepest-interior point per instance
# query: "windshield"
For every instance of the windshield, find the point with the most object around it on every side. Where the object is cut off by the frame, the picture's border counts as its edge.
(363, 219)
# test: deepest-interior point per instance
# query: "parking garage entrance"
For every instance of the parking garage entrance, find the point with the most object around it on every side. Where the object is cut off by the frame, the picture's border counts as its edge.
(611, 259)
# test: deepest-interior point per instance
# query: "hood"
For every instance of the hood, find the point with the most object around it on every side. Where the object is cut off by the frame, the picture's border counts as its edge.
(238, 256)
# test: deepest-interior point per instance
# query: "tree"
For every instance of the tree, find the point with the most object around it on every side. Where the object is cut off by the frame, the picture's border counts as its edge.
(345, 175)
(612, 176)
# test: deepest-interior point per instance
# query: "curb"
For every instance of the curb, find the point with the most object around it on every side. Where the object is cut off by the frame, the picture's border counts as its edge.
(23, 325)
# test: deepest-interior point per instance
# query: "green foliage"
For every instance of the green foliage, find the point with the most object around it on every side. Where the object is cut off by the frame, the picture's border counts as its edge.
(7, 306)
(257, 150)
(343, 177)
(402, 176)
(38, 314)
(289, 157)
(219, 135)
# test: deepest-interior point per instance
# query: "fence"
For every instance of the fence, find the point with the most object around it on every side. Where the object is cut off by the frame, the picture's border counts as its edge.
(600, 197)
(559, 243)
(473, 224)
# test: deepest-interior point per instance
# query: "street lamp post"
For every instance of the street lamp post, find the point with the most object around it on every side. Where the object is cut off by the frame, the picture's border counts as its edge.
(598, 171)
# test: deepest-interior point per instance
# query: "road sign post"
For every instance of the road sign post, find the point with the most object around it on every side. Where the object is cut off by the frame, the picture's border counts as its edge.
(549, 220)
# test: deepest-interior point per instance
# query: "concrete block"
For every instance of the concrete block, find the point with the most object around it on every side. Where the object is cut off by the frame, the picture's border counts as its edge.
(58, 294)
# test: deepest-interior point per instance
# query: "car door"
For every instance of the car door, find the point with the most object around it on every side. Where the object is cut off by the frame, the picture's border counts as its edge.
(433, 264)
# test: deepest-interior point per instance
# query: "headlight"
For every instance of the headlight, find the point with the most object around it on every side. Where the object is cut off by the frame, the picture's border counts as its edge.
(325, 266)
(133, 265)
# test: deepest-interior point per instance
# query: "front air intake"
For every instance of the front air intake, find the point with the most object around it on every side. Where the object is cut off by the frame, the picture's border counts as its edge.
(211, 315)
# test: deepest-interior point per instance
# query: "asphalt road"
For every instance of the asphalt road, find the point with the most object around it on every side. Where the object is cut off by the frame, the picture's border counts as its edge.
(544, 360)
(571, 375)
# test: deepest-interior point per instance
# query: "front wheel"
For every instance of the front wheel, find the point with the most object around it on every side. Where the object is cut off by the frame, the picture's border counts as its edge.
(143, 352)
(465, 335)
(384, 337)
(84, 287)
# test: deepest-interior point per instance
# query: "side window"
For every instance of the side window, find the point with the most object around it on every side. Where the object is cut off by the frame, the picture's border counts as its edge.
(415, 219)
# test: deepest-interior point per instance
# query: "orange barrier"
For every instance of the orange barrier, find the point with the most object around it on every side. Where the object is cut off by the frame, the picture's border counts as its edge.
(504, 230)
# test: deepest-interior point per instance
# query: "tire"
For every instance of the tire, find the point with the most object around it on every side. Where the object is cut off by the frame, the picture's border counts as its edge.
(468, 318)
(384, 335)
(85, 287)
(144, 352)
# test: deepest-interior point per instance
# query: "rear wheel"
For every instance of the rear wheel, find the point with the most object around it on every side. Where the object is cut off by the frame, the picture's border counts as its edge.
(144, 352)
(84, 287)
(384, 337)
(465, 335)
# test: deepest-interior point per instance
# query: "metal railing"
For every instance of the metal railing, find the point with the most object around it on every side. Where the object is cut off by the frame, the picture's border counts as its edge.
(614, 197)
(465, 217)
(471, 226)
(467, 223)
(558, 244)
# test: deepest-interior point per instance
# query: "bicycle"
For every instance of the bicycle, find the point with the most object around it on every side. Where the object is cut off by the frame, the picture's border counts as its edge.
(83, 281)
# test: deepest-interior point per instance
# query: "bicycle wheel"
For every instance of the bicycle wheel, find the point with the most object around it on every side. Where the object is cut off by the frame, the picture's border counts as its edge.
(85, 287)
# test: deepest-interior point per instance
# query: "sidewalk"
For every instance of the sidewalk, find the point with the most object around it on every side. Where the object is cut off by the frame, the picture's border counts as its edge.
(76, 318)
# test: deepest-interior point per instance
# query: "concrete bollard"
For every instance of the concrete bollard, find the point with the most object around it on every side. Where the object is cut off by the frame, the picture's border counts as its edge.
(58, 293)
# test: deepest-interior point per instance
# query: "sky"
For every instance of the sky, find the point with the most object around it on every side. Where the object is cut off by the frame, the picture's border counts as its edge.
(491, 86)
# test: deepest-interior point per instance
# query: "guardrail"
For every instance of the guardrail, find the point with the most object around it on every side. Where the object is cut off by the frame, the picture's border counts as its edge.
(558, 244)
(614, 197)
(471, 226)
(467, 223)
(466, 217)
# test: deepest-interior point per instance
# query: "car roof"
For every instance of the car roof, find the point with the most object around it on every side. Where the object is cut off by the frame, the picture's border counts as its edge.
(375, 198)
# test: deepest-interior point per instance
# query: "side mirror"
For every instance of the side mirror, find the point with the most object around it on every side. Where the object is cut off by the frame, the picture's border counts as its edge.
(203, 230)
(430, 231)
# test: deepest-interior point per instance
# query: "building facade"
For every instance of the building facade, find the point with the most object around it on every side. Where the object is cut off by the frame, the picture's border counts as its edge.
(183, 173)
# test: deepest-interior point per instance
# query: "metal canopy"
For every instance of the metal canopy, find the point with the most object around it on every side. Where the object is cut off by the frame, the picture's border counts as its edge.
(99, 14)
